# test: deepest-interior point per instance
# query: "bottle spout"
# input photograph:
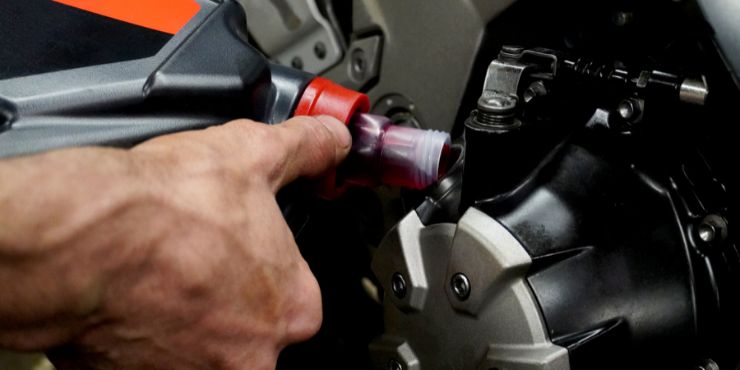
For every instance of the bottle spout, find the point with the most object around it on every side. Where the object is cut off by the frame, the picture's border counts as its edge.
(398, 156)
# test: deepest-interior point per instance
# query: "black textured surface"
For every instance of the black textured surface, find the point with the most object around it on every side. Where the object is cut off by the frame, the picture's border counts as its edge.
(620, 280)
(38, 36)
(610, 267)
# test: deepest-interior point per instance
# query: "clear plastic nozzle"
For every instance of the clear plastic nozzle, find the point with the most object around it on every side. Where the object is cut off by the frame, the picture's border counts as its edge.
(395, 155)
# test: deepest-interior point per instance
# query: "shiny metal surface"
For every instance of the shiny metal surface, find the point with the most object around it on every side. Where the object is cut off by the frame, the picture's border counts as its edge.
(694, 91)
(428, 46)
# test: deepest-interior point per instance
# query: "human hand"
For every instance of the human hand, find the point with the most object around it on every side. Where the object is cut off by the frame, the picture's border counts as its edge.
(198, 268)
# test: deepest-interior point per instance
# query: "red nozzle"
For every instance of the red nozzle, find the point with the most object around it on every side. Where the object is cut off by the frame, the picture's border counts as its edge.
(382, 153)
(324, 97)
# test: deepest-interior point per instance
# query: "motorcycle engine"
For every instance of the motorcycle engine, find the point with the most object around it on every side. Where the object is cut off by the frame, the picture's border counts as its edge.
(586, 221)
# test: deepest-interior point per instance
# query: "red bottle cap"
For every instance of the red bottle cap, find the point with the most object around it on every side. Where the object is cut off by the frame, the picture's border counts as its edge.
(324, 97)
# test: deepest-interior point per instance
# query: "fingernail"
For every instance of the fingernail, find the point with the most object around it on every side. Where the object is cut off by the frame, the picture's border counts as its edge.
(339, 129)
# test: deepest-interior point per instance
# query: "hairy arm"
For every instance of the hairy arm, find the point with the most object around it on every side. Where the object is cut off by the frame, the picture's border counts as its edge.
(171, 255)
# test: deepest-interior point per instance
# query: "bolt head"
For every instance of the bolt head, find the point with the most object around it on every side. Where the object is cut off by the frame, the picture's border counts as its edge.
(358, 65)
(460, 286)
(626, 110)
(297, 63)
(706, 232)
(711, 232)
(398, 285)
(497, 104)
(320, 50)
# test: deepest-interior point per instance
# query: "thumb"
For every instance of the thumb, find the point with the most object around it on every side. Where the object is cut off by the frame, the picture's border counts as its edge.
(311, 147)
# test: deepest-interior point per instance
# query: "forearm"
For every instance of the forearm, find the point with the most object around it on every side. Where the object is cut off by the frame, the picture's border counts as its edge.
(53, 270)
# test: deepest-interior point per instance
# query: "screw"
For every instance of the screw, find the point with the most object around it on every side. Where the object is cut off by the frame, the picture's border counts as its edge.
(398, 285)
(320, 50)
(394, 365)
(359, 64)
(297, 63)
(460, 286)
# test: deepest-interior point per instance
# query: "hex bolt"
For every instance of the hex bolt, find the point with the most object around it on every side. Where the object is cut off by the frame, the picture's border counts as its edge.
(398, 285)
(320, 50)
(297, 63)
(394, 365)
(460, 286)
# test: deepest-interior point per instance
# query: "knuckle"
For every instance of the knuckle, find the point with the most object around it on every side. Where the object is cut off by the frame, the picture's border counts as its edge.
(308, 322)
(243, 123)
(260, 148)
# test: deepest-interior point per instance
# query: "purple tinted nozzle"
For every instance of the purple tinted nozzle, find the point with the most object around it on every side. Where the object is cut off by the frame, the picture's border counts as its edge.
(395, 155)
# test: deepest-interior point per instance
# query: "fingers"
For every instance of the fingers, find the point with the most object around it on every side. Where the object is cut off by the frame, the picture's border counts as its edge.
(300, 147)
(310, 146)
